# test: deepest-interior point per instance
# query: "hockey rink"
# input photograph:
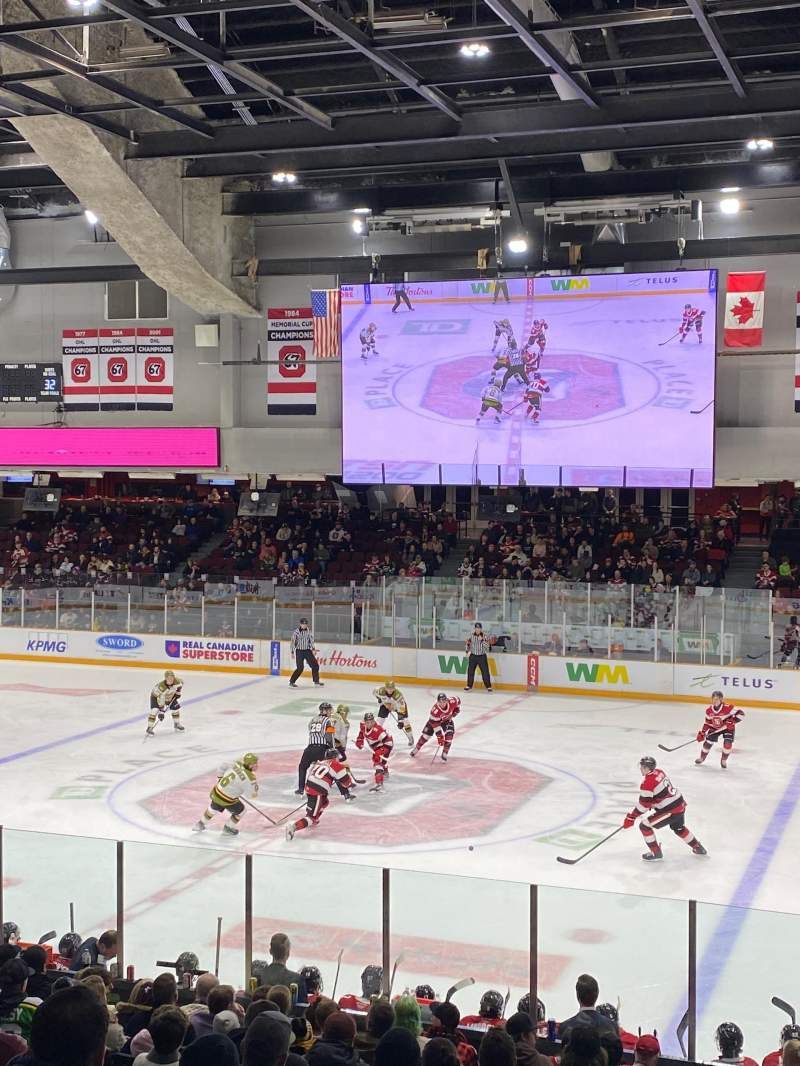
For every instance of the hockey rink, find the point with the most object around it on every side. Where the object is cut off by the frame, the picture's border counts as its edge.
(529, 777)
(611, 380)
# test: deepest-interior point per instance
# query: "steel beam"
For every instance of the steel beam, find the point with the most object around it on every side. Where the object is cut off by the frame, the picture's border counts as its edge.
(31, 177)
(70, 66)
(544, 51)
(195, 46)
(72, 275)
(57, 106)
(360, 42)
(513, 203)
(714, 38)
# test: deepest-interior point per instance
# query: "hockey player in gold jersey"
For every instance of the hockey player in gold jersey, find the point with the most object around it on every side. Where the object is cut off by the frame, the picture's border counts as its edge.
(234, 781)
(165, 695)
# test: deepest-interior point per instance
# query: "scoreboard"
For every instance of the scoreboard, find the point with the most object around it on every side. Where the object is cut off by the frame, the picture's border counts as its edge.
(30, 383)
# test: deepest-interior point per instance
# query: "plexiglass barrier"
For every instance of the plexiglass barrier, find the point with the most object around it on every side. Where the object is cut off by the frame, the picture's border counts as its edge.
(706, 626)
(655, 959)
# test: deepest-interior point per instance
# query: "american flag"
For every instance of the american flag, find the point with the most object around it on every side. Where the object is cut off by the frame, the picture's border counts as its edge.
(326, 308)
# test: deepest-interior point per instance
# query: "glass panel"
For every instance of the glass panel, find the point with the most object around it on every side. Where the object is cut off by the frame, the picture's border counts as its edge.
(40, 882)
(40, 608)
(172, 898)
(604, 934)
(12, 606)
(184, 611)
(75, 608)
(744, 958)
(287, 900)
(111, 608)
(221, 611)
(452, 927)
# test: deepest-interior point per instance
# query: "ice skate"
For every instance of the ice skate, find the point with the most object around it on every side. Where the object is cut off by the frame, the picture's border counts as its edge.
(179, 728)
(231, 830)
(654, 854)
(290, 832)
(698, 848)
(199, 827)
(150, 731)
(378, 787)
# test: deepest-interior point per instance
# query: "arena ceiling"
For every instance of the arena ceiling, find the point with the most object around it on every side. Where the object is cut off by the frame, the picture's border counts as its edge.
(366, 98)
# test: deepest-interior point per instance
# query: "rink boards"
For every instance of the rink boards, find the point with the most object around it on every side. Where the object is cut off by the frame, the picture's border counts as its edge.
(571, 675)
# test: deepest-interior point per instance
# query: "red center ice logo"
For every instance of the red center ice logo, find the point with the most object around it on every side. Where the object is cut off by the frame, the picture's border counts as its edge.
(470, 798)
(592, 387)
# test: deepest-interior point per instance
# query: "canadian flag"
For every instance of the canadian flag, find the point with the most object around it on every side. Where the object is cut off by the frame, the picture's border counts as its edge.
(744, 310)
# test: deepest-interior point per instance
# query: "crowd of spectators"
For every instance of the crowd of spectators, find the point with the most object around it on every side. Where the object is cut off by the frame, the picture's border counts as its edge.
(71, 1015)
(599, 545)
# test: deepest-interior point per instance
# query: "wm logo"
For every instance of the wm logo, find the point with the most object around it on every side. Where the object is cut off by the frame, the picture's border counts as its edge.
(569, 284)
(481, 288)
(598, 673)
(457, 664)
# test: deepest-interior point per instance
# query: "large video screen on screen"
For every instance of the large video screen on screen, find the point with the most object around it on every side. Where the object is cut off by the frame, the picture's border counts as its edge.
(605, 379)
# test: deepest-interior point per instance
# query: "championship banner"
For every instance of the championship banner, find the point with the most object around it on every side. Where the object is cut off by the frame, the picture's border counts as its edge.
(155, 367)
(80, 369)
(118, 369)
(744, 310)
(797, 357)
(291, 371)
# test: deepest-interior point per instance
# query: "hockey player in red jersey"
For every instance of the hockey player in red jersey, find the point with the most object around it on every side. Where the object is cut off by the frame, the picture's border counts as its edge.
(320, 779)
(790, 644)
(538, 336)
(730, 1041)
(692, 319)
(660, 805)
(490, 1012)
(380, 743)
(533, 397)
(721, 721)
(440, 721)
(790, 1031)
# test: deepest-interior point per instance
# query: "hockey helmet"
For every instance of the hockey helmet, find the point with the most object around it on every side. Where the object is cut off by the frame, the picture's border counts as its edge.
(371, 979)
(524, 1007)
(169, 674)
(491, 1005)
(647, 762)
(186, 962)
(424, 992)
(608, 1010)
(249, 760)
(11, 933)
(730, 1040)
(389, 685)
(372, 327)
(342, 710)
(717, 694)
(369, 718)
(442, 698)
(686, 305)
(331, 753)
(313, 979)
(790, 1032)
(512, 343)
(68, 945)
(504, 322)
(325, 707)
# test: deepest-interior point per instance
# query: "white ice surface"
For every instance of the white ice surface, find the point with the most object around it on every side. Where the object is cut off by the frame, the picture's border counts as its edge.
(530, 777)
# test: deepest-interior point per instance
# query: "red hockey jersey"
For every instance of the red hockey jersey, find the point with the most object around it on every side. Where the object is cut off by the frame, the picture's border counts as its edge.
(322, 776)
(722, 719)
(440, 715)
(375, 737)
(657, 794)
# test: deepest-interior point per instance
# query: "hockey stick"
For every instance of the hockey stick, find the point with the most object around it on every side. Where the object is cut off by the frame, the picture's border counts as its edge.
(436, 754)
(781, 1004)
(285, 817)
(219, 945)
(47, 936)
(72, 917)
(683, 1025)
(679, 746)
(572, 862)
(701, 409)
(672, 338)
(338, 967)
(397, 962)
(505, 1002)
(465, 982)
(259, 811)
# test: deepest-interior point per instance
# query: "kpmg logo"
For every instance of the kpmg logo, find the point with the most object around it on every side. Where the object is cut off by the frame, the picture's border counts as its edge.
(47, 643)
(119, 642)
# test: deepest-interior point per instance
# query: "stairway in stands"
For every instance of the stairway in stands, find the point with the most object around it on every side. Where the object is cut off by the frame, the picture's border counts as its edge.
(745, 560)
(449, 567)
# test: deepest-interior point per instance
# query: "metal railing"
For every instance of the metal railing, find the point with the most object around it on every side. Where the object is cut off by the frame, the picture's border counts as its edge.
(704, 625)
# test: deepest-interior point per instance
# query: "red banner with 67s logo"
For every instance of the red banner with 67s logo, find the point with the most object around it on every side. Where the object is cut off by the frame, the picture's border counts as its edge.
(119, 368)
(291, 371)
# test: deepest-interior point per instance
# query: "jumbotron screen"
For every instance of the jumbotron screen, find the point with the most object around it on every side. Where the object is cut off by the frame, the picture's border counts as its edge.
(596, 380)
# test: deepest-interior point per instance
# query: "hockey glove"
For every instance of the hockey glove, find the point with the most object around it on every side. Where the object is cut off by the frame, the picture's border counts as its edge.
(629, 821)
(701, 737)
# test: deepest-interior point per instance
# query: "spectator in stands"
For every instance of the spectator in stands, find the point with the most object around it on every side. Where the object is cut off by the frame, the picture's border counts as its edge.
(69, 1029)
(10, 1047)
(522, 1030)
(266, 1042)
(407, 1015)
(787, 573)
(134, 1015)
(497, 1049)
(226, 1023)
(646, 1051)
(765, 509)
(335, 1047)
(380, 1020)
(587, 992)
(16, 1008)
(278, 973)
(766, 578)
(218, 1050)
(281, 996)
(40, 981)
(691, 576)
(115, 1036)
(440, 1052)
(95, 951)
(220, 998)
(583, 1048)
(709, 578)
(397, 1047)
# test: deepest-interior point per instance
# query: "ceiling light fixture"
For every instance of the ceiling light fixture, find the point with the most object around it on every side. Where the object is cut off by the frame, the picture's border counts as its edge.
(731, 188)
(760, 144)
(474, 50)
(730, 205)
(362, 210)
(517, 245)
(284, 177)
(90, 217)
(358, 225)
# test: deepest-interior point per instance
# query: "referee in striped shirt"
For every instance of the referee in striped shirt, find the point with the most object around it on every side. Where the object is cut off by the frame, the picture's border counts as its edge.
(303, 648)
(321, 736)
(478, 647)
